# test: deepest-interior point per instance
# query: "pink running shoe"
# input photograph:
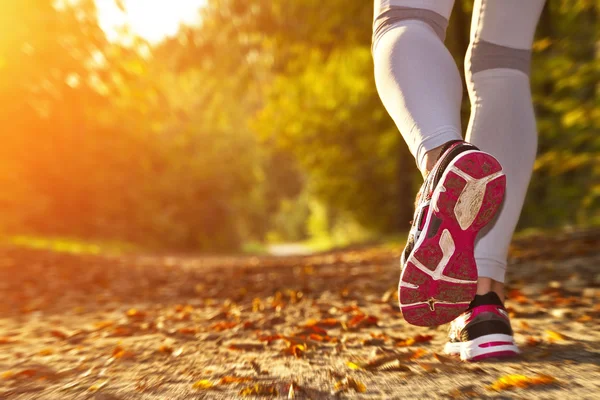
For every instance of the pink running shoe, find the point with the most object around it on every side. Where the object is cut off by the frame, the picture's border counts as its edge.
(461, 195)
(483, 331)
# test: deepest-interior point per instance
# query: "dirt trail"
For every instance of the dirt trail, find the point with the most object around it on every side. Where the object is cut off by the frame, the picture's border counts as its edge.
(83, 327)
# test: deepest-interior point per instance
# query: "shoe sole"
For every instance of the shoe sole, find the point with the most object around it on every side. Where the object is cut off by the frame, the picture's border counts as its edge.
(488, 346)
(439, 279)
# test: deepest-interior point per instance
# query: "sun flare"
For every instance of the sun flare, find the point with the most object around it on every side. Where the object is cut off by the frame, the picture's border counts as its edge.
(151, 19)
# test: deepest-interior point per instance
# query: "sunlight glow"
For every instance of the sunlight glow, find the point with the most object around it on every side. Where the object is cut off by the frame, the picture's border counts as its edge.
(153, 20)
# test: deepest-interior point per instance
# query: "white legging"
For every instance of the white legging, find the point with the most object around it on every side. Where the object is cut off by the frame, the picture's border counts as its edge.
(419, 84)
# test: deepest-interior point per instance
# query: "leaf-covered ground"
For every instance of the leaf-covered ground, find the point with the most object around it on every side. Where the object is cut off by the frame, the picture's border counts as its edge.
(325, 326)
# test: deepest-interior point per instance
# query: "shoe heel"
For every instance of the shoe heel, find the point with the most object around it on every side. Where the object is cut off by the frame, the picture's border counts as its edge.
(489, 346)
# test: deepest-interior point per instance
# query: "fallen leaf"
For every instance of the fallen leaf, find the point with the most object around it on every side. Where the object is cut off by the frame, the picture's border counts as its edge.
(524, 324)
(585, 318)
(97, 386)
(349, 383)
(165, 349)
(120, 352)
(234, 379)
(393, 366)
(417, 354)
(259, 389)
(429, 367)
(203, 384)
(445, 359)
(313, 329)
(187, 331)
(532, 341)
(353, 365)
(327, 322)
(103, 324)
(36, 371)
(121, 330)
(46, 352)
(295, 349)
(517, 296)
(136, 314)
(556, 336)
(510, 382)
(271, 338)
(58, 334)
(373, 342)
(249, 325)
(246, 346)
(413, 340)
(7, 374)
(362, 321)
(224, 325)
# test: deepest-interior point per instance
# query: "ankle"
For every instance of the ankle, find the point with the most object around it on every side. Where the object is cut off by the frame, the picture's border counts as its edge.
(433, 155)
(431, 158)
(486, 285)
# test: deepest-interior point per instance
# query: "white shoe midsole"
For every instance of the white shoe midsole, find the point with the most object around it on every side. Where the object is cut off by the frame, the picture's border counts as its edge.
(495, 343)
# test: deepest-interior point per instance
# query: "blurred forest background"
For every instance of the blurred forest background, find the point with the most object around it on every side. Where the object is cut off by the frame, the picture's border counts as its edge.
(259, 124)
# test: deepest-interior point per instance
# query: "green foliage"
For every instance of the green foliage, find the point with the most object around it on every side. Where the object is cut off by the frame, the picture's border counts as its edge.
(566, 182)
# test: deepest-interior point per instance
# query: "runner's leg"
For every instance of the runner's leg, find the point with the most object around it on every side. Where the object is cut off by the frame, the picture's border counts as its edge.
(417, 78)
(502, 118)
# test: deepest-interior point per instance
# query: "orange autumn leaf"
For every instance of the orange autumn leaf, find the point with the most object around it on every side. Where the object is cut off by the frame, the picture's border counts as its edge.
(585, 318)
(224, 325)
(136, 314)
(46, 352)
(362, 320)
(249, 325)
(184, 308)
(58, 334)
(295, 349)
(351, 308)
(187, 331)
(26, 373)
(405, 342)
(532, 341)
(246, 346)
(103, 324)
(414, 340)
(120, 352)
(510, 382)
(327, 322)
(234, 379)
(423, 338)
(271, 338)
(315, 329)
(417, 354)
(317, 338)
(165, 349)
(518, 296)
(122, 331)
(7, 374)
(524, 324)
(6, 340)
(350, 383)
(556, 336)
(259, 389)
